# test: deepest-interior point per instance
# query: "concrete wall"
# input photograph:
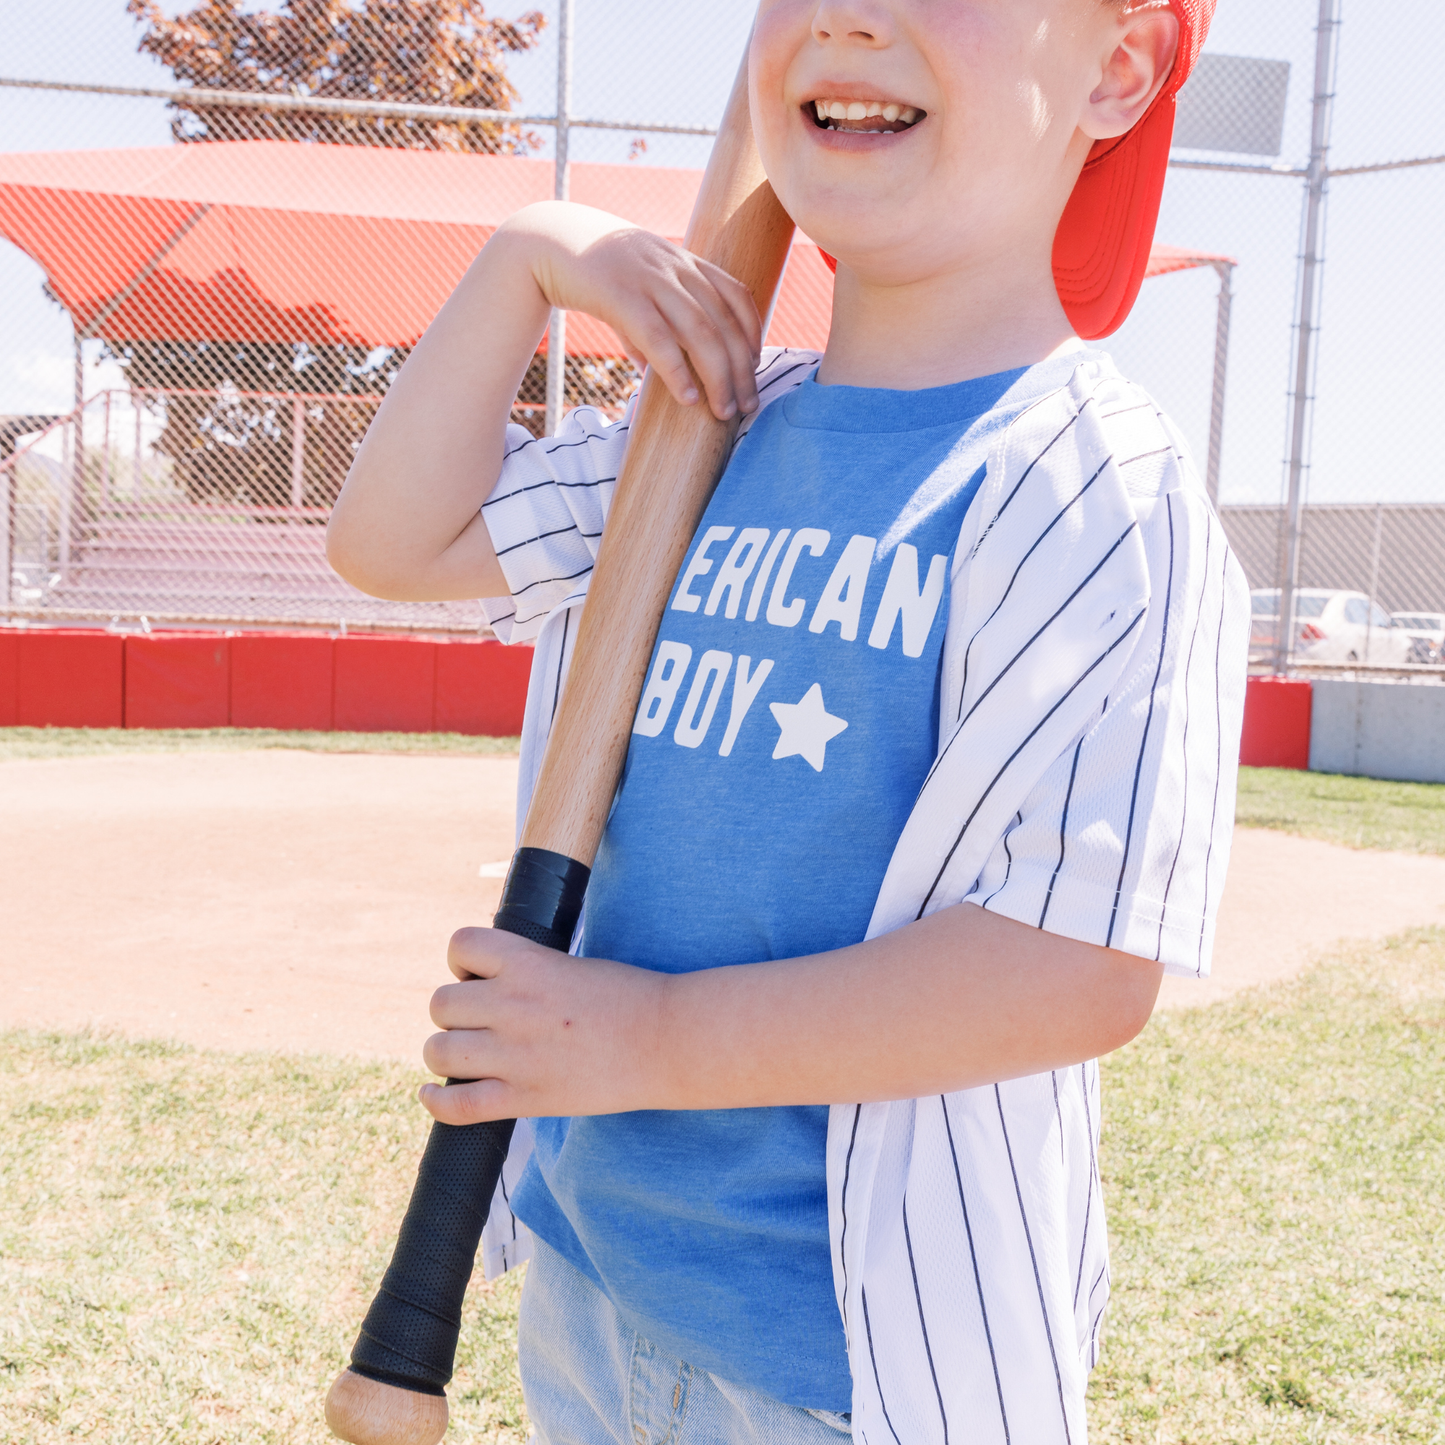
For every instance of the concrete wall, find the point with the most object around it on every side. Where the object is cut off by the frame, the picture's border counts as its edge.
(1379, 730)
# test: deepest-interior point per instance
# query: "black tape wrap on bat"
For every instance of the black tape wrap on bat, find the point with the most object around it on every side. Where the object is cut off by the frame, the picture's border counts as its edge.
(409, 1335)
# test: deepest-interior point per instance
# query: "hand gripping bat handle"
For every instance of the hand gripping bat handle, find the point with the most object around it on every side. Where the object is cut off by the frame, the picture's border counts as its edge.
(394, 1391)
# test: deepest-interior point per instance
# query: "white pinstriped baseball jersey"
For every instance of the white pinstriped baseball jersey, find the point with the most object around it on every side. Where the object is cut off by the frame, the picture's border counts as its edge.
(1092, 697)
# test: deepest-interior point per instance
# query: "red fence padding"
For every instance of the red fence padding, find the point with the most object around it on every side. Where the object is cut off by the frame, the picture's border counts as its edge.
(73, 677)
(9, 679)
(384, 684)
(70, 679)
(1276, 723)
(481, 688)
(178, 680)
(280, 681)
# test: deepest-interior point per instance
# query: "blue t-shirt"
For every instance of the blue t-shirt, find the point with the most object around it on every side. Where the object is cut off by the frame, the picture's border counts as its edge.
(788, 720)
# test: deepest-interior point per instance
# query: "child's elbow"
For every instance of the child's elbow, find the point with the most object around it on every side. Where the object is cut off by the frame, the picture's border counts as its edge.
(1132, 993)
(355, 558)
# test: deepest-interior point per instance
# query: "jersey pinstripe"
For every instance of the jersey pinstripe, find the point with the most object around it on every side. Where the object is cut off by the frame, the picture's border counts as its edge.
(1089, 725)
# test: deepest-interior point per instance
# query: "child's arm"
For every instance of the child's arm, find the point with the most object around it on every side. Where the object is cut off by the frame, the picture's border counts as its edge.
(972, 994)
(408, 523)
(961, 998)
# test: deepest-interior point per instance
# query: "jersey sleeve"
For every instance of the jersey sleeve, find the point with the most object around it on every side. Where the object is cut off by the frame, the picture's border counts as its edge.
(549, 507)
(1124, 840)
(546, 514)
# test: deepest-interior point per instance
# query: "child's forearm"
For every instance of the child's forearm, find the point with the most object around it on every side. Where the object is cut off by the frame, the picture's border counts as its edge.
(956, 1000)
(407, 524)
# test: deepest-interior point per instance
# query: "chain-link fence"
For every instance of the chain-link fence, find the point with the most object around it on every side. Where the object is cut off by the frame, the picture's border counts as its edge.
(208, 293)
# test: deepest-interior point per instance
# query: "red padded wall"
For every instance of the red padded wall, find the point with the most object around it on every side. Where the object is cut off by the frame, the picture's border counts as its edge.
(9, 678)
(1276, 723)
(384, 684)
(481, 688)
(178, 680)
(281, 681)
(74, 677)
(70, 679)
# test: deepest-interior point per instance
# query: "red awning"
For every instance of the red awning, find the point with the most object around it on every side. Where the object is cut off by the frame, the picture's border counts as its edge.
(275, 241)
(1164, 259)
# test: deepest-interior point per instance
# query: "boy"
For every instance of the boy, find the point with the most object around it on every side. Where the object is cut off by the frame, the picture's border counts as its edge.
(932, 776)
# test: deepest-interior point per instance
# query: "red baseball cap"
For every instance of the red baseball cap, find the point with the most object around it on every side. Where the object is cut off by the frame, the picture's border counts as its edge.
(1101, 248)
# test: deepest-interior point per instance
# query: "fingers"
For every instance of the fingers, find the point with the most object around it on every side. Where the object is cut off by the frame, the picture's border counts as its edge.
(714, 321)
(460, 1006)
(474, 1103)
(461, 1053)
(695, 326)
(663, 353)
(739, 301)
(475, 952)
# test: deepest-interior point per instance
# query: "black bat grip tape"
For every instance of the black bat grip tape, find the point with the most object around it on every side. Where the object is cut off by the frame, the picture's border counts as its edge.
(409, 1335)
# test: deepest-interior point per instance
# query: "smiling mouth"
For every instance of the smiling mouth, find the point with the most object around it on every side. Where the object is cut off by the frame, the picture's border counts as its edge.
(864, 117)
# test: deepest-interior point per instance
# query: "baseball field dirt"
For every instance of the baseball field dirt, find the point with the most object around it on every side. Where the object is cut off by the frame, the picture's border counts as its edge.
(301, 901)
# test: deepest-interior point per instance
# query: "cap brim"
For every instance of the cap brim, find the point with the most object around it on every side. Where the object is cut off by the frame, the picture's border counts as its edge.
(1101, 249)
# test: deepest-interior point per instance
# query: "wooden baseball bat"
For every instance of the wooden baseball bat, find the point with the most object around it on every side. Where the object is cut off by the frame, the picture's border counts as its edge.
(392, 1393)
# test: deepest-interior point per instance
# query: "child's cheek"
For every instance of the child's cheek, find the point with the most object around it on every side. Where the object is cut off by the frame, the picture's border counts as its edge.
(780, 33)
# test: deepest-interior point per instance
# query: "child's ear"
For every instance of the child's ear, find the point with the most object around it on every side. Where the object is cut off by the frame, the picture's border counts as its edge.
(1143, 41)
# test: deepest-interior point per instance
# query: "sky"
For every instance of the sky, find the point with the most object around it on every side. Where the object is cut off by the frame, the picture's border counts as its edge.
(658, 60)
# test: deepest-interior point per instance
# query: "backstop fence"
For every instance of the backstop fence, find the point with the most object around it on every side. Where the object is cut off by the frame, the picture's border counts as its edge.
(217, 255)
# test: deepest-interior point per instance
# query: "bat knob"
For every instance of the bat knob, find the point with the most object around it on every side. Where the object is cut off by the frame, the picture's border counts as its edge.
(368, 1412)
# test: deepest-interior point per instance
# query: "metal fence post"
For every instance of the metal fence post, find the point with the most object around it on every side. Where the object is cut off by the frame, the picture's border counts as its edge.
(557, 327)
(105, 456)
(74, 465)
(1317, 178)
(7, 517)
(1221, 370)
(1374, 579)
(298, 451)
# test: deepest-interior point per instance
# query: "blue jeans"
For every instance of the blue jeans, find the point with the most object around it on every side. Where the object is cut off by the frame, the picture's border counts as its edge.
(589, 1380)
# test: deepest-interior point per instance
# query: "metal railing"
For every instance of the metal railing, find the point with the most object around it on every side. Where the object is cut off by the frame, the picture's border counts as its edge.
(189, 506)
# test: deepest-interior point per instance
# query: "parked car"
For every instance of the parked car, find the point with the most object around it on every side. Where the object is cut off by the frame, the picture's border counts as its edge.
(1426, 631)
(1330, 626)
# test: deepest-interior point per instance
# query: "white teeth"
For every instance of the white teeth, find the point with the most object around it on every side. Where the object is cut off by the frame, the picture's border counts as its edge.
(855, 110)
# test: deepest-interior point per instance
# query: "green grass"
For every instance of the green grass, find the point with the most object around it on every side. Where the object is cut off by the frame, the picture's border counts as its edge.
(77, 742)
(1358, 812)
(1274, 1170)
(188, 1240)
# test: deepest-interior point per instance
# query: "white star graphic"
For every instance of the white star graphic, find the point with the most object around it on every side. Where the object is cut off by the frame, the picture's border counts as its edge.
(805, 728)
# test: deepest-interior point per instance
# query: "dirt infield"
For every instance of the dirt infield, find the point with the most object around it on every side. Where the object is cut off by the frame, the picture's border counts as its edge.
(302, 901)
